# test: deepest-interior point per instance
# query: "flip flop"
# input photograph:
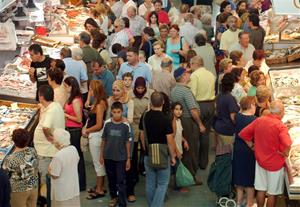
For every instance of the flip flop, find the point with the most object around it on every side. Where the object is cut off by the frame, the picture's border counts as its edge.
(95, 196)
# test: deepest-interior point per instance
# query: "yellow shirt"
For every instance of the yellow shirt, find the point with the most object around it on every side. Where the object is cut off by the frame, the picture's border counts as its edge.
(202, 84)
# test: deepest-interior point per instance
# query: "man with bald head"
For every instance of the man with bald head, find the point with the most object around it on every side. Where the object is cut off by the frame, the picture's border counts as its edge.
(270, 140)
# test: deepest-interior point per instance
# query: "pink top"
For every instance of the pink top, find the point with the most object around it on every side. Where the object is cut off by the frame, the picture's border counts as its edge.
(70, 110)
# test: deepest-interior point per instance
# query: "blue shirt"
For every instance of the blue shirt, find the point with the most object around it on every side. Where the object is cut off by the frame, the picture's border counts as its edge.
(140, 70)
(74, 68)
(107, 79)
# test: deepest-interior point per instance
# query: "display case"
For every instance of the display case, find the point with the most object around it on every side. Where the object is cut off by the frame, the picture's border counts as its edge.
(13, 116)
(286, 87)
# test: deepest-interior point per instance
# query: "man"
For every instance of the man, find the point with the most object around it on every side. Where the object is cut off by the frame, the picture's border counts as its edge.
(202, 84)
(74, 67)
(244, 46)
(134, 66)
(163, 81)
(120, 36)
(191, 121)
(52, 117)
(230, 36)
(271, 148)
(127, 5)
(156, 128)
(188, 30)
(103, 74)
(117, 8)
(163, 33)
(257, 33)
(39, 67)
(88, 53)
(163, 17)
(206, 52)
(137, 24)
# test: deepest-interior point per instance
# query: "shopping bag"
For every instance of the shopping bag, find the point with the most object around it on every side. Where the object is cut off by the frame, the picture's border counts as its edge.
(183, 176)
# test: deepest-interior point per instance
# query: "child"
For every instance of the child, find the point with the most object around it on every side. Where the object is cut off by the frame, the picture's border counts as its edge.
(128, 78)
(177, 130)
(64, 172)
(115, 154)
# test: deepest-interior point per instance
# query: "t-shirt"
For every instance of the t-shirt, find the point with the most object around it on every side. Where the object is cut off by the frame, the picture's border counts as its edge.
(158, 126)
(228, 38)
(257, 37)
(41, 72)
(226, 104)
(116, 136)
(64, 165)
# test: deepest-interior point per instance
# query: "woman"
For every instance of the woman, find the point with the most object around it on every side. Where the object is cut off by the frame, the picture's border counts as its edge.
(22, 166)
(102, 18)
(225, 8)
(176, 46)
(237, 58)
(263, 97)
(145, 8)
(226, 110)
(241, 6)
(155, 60)
(120, 94)
(73, 113)
(243, 164)
(93, 131)
(238, 91)
(259, 61)
(153, 22)
(90, 24)
(257, 78)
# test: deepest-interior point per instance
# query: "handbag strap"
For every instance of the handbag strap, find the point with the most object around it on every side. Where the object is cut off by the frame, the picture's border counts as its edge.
(145, 131)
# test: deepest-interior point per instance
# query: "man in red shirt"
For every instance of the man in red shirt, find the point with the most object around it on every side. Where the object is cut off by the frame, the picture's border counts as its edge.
(163, 17)
(269, 138)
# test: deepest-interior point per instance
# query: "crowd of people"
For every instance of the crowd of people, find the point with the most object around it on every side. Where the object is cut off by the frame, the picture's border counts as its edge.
(144, 82)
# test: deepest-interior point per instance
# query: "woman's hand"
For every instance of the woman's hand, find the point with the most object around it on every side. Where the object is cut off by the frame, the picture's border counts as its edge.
(175, 51)
(84, 132)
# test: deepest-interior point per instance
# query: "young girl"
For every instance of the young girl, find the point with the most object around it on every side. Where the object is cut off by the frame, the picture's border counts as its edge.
(177, 130)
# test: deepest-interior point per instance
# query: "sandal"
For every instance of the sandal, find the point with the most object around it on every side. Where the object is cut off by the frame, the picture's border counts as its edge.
(93, 190)
(94, 196)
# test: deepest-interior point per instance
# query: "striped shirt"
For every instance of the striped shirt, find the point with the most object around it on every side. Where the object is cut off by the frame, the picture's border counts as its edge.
(182, 94)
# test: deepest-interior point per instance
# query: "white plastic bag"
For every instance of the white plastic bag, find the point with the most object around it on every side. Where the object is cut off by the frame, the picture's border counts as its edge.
(8, 36)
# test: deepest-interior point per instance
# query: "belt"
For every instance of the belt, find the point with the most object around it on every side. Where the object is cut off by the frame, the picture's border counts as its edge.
(206, 101)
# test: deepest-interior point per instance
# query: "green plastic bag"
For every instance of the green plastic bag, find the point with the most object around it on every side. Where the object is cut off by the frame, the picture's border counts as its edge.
(183, 176)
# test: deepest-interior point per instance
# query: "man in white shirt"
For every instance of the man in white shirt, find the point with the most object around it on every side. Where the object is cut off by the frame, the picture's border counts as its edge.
(117, 8)
(244, 46)
(120, 36)
(137, 24)
(230, 36)
(188, 30)
(128, 3)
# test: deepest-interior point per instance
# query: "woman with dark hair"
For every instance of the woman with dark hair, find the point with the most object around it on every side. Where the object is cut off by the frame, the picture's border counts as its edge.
(238, 91)
(226, 110)
(153, 22)
(241, 7)
(22, 166)
(176, 46)
(166, 109)
(90, 24)
(73, 113)
(127, 29)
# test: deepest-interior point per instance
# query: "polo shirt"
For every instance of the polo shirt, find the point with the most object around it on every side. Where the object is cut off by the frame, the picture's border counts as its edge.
(228, 38)
(207, 53)
(107, 79)
(75, 68)
(182, 94)
(247, 51)
(140, 70)
(202, 84)
(271, 138)
(52, 117)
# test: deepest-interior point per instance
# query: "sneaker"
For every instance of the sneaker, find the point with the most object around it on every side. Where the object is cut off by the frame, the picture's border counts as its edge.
(113, 202)
(131, 198)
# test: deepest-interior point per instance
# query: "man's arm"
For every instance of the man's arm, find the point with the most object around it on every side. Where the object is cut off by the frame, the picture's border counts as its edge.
(171, 146)
(32, 74)
(247, 134)
(196, 116)
(48, 134)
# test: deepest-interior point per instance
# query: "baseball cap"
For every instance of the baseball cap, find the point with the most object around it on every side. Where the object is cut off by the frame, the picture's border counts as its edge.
(179, 72)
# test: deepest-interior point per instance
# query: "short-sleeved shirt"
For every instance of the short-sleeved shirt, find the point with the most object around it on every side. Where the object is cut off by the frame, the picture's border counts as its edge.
(137, 24)
(257, 37)
(52, 117)
(184, 95)
(116, 136)
(271, 138)
(41, 72)
(158, 126)
(226, 104)
(140, 70)
(207, 53)
(107, 79)
(90, 54)
(23, 169)
(247, 52)
(228, 38)
(163, 81)
(75, 68)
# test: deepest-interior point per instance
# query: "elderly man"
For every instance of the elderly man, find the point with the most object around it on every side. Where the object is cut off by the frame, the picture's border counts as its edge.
(230, 36)
(163, 81)
(188, 30)
(206, 52)
(126, 6)
(244, 46)
(134, 66)
(119, 37)
(137, 24)
(202, 84)
(191, 121)
(272, 145)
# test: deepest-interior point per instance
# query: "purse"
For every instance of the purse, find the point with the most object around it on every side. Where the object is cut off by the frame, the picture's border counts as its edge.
(157, 153)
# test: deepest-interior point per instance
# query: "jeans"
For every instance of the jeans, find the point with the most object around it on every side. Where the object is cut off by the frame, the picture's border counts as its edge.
(156, 184)
(132, 175)
(115, 171)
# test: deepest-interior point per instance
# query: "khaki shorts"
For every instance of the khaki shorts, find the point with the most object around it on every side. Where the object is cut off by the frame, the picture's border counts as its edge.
(44, 163)
(269, 181)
